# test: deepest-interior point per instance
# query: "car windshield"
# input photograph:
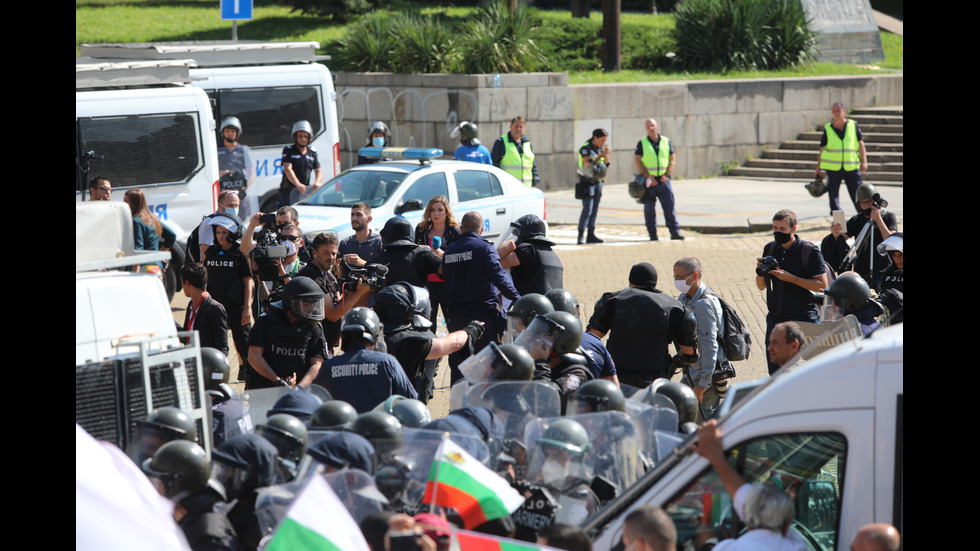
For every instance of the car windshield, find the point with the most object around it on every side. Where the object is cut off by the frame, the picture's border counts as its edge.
(369, 186)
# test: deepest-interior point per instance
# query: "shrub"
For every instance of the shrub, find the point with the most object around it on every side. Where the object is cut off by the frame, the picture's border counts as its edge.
(338, 10)
(367, 44)
(498, 41)
(724, 35)
(424, 45)
(570, 44)
(645, 47)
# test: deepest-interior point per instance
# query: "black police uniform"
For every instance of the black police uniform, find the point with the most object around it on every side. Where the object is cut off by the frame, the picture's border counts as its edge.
(205, 528)
(227, 271)
(641, 325)
(411, 347)
(892, 292)
(330, 286)
(303, 165)
(287, 349)
(540, 270)
(364, 378)
(408, 262)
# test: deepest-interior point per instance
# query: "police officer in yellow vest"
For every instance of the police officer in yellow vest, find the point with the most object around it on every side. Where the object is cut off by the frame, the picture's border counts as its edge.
(655, 159)
(512, 152)
(842, 156)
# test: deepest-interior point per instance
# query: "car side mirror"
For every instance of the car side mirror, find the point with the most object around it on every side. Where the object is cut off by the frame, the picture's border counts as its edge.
(413, 204)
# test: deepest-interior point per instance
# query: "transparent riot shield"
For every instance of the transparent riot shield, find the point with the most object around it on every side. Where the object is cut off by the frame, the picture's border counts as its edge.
(258, 401)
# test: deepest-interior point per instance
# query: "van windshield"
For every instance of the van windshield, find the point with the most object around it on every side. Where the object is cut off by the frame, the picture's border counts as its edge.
(373, 187)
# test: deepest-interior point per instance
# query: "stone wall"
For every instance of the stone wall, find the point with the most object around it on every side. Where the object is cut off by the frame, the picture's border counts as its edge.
(710, 122)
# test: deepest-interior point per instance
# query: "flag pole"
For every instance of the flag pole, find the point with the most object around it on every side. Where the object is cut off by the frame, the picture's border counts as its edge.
(435, 483)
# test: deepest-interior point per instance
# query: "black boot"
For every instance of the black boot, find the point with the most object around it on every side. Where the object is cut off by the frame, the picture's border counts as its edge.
(581, 234)
(592, 238)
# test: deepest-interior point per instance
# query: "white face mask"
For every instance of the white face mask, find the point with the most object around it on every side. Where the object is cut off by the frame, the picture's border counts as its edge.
(682, 285)
(552, 473)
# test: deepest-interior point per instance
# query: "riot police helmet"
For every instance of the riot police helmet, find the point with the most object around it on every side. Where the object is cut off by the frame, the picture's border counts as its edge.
(170, 423)
(401, 306)
(214, 367)
(864, 192)
(304, 299)
(849, 292)
(298, 403)
(411, 413)
(287, 433)
(564, 301)
(568, 435)
(232, 122)
(302, 126)
(178, 469)
(894, 242)
(363, 323)
(243, 463)
(683, 398)
(596, 396)
(817, 187)
(599, 170)
(528, 306)
(383, 430)
(343, 450)
(513, 363)
(335, 415)
(569, 337)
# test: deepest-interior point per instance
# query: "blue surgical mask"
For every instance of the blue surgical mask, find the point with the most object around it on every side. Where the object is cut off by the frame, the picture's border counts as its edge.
(378, 142)
(231, 210)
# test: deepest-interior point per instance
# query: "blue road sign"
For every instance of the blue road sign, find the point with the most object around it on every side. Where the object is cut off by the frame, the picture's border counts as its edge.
(236, 9)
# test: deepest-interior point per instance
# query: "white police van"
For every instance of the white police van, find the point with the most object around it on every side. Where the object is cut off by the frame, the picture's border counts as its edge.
(268, 86)
(829, 431)
(140, 125)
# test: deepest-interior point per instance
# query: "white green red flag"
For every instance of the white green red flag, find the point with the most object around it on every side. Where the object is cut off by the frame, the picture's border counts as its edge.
(475, 541)
(460, 481)
(317, 520)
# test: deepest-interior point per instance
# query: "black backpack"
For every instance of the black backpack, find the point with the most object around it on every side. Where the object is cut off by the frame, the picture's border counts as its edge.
(736, 340)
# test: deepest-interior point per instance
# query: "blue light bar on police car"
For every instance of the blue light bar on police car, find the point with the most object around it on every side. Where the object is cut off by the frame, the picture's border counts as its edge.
(413, 153)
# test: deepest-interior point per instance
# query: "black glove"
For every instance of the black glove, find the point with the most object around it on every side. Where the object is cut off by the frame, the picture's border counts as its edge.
(474, 330)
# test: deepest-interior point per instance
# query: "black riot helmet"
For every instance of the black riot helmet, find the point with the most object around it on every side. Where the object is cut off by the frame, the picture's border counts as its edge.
(528, 306)
(363, 323)
(170, 423)
(215, 368)
(287, 433)
(401, 306)
(178, 469)
(849, 292)
(570, 336)
(383, 430)
(564, 301)
(304, 298)
(513, 363)
(683, 398)
(596, 396)
(335, 415)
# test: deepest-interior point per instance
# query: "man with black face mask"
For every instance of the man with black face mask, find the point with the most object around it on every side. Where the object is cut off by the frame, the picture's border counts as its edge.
(868, 262)
(800, 269)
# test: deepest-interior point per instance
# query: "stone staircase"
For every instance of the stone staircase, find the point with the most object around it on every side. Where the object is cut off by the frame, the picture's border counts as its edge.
(883, 132)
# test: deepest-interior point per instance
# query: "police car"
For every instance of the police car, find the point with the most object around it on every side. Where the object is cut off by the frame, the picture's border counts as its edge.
(404, 181)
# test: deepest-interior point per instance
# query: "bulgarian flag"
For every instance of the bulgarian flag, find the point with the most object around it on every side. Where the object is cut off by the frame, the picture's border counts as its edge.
(460, 481)
(475, 541)
(317, 520)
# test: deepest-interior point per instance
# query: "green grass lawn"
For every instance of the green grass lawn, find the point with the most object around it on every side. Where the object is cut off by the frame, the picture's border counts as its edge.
(154, 20)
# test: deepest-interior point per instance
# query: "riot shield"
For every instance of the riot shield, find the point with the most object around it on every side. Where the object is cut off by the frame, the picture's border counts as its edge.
(258, 401)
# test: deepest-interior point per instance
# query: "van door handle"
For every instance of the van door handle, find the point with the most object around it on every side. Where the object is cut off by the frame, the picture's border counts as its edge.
(502, 210)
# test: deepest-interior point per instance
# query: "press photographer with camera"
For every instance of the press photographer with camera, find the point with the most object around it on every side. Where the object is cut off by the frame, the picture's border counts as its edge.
(789, 269)
(870, 227)
(275, 253)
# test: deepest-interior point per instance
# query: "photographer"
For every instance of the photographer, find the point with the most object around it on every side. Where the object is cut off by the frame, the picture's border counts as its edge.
(881, 225)
(790, 267)
(275, 251)
(336, 302)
